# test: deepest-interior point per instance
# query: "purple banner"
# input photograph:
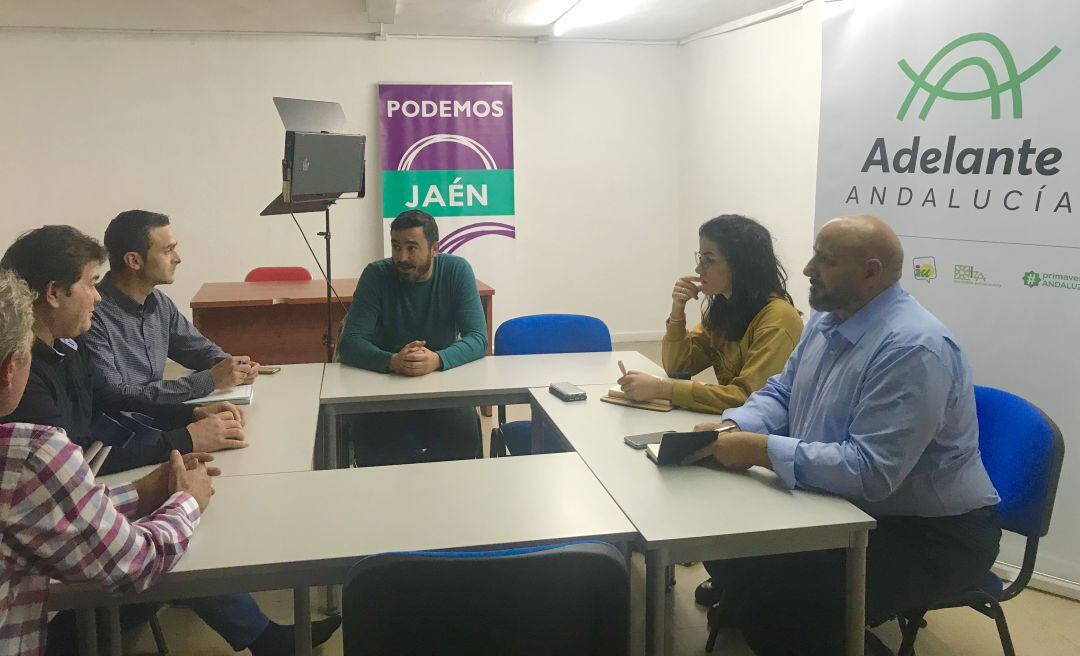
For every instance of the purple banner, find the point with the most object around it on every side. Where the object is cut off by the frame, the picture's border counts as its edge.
(481, 112)
(447, 149)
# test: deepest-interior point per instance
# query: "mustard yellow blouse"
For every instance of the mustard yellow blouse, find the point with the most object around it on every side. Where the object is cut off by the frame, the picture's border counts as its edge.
(741, 367)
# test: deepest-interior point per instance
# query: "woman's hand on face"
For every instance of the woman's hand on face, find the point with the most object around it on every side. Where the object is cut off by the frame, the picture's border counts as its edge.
(686, 288)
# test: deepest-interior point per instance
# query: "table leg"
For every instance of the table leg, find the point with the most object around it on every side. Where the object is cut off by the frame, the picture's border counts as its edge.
(86, 622)
(332, 441)
(856, 594)
(638, 623)
(537, 428)
(318, 457)
(302, 620)
(113, 641)
(485, 302)
(332, 449)
(655, 602)
(333, 599)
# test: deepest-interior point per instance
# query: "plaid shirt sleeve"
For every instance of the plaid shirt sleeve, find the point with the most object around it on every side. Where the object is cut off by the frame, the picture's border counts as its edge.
(74, 530)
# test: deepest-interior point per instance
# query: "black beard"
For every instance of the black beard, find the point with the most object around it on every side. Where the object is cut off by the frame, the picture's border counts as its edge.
(819, 301)
(824, 300)
(409, 275)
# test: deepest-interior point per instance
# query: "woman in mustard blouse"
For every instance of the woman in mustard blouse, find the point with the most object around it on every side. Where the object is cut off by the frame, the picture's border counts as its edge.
(749, 326)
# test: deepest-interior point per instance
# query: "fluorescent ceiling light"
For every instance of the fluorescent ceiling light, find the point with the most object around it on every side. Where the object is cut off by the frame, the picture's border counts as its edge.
(592, 12)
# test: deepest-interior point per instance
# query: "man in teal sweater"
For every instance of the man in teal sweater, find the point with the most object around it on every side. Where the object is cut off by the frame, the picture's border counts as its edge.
(413, 314)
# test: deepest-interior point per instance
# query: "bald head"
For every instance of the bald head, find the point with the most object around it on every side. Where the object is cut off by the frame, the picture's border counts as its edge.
(866, 237)
(855, 259)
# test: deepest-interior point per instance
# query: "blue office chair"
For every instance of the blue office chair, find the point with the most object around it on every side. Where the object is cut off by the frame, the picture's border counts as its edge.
(1022, 450)
(541, 333)
(569, 598)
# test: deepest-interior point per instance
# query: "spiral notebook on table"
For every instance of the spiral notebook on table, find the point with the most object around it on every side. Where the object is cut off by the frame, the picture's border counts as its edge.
(618, 397)
(240, 395)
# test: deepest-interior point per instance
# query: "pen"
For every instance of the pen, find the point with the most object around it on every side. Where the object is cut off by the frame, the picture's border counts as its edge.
(622, 368)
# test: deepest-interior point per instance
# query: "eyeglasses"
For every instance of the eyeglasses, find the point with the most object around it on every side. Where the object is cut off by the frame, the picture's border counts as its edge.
(705, 259)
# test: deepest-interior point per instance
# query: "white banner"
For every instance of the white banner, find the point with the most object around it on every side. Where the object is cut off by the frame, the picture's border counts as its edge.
(956, 122)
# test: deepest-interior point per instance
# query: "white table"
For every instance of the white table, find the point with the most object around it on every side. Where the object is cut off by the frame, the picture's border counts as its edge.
(242, 543)
(498, 379)
(280, 426)
(493, 380)
(696, 513)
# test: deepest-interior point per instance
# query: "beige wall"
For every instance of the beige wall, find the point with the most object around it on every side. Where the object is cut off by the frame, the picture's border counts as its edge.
(749, 137)
(96, 123)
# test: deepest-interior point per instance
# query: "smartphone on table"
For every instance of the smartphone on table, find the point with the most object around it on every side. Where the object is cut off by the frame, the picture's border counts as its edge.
(645, 439)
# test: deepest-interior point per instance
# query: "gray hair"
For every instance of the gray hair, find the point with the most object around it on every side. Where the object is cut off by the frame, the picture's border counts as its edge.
(16, 315)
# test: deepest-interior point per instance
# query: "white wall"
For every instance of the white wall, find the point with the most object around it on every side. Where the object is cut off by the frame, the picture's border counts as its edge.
(749, 138)
(99, 123)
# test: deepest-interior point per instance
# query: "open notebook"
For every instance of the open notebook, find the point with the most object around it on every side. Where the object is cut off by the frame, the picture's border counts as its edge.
(240, 395)
(617, 396)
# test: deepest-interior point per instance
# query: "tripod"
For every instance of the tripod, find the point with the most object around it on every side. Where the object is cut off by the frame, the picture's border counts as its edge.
(328, 338)
(279, 206)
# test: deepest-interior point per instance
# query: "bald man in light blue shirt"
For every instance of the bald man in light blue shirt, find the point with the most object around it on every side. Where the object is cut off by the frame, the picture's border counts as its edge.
(876, 405)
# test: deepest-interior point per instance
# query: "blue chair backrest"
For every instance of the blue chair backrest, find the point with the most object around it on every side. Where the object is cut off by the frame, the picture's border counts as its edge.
(1022, 450)
(552, 333)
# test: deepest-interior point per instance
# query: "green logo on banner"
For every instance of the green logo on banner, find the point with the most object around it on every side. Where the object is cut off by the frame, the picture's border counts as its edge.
(994, 88)
(1056, 280)
(462, 192)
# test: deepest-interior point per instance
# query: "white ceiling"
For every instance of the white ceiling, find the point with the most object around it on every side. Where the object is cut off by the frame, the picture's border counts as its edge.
(662, 20)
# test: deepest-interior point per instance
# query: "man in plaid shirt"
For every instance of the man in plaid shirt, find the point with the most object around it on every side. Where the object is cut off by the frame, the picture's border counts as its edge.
(57, 523)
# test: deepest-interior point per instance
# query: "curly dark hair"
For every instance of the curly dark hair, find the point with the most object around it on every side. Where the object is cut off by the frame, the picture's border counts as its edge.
(52, 253)
(756, 274)
(417, 219)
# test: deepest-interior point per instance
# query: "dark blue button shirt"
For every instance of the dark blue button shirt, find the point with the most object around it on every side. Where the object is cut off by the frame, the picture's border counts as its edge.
(129, 343)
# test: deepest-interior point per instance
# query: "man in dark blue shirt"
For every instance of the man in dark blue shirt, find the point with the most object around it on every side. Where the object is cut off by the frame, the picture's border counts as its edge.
(137, 327)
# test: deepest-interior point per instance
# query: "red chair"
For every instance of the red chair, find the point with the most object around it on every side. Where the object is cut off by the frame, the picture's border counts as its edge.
(278, 274)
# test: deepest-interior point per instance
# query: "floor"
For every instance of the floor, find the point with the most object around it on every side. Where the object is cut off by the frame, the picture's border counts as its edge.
(1041, 624)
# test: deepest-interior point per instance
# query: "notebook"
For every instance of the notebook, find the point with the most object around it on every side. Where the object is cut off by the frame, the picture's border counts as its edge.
(618, 397)
(676, 446)
(240, 395)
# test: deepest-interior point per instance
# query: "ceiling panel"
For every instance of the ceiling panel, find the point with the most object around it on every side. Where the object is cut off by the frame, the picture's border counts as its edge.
(662, 20)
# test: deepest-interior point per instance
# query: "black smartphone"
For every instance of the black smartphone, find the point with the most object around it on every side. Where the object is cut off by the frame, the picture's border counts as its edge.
(645, 439)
